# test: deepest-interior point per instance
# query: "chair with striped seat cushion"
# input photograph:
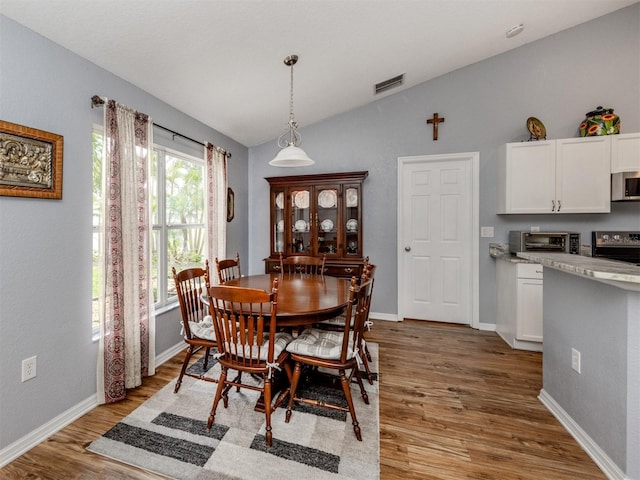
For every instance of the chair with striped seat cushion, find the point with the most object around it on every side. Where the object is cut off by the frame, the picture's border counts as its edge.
(245, 324)
(197, 325)
(334, 350)
(337, 323)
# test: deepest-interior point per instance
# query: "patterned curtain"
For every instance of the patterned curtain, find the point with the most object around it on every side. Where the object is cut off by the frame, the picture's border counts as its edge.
(127, 331)
(216, 202)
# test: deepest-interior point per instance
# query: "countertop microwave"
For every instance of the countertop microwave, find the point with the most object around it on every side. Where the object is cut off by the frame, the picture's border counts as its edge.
(625, 186)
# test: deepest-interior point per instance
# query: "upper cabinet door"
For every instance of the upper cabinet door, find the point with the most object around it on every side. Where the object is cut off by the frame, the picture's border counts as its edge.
(625, 152)
(583, 175)
(526, 177)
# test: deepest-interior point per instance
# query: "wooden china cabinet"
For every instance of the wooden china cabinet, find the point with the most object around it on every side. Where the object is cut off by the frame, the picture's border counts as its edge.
(316, 215)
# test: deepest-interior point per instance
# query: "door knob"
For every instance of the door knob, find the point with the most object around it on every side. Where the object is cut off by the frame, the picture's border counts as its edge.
(407, 248)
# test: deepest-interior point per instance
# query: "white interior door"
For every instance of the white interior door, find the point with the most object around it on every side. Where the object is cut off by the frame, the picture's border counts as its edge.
(436, 237)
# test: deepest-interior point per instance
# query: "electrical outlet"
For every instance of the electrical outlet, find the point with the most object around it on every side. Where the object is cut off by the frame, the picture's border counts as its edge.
(535, 229)
(486, 232)
(28, 368)
(575, 360)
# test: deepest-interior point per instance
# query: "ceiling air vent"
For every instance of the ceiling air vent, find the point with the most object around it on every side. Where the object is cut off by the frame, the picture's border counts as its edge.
(389, 84)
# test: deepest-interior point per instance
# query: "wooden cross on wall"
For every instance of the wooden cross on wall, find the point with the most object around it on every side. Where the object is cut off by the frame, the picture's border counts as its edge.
(435, 121)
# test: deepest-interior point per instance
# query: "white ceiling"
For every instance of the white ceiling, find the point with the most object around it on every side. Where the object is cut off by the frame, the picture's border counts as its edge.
(221, 61)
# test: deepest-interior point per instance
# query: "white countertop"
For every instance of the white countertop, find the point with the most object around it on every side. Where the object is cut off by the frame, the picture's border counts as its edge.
(619, 274)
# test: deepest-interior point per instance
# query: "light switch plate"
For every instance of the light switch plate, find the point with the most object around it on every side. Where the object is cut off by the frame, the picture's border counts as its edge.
(486, 232)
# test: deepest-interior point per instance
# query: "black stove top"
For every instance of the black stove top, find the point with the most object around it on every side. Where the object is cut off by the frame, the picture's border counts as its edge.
(616, 245)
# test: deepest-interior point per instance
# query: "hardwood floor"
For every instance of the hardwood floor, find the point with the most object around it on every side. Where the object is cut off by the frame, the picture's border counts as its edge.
(455, 403)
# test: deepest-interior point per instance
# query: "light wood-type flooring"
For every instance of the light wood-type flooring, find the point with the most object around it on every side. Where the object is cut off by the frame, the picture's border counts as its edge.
(455, 403)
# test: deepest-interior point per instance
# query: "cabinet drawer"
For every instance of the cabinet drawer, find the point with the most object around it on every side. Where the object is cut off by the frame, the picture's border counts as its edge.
(343, 270)
(529, 270)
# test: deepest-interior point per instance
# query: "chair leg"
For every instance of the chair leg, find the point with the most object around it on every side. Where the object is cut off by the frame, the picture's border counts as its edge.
(267, 408)
(184, 368)
(365, 362)
(206, 358)
(221, 382)
(363, 392)
(366, 349)
(347, 393)
(294, 387)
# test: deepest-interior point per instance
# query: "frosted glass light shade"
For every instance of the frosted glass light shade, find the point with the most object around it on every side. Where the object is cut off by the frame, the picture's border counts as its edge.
(291, 156)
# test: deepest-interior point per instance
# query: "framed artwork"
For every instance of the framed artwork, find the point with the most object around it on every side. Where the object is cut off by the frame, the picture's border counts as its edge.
(230, 207)
(30, 162)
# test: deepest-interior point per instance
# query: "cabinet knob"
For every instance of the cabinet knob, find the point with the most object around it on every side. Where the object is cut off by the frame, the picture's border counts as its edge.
(559, 205)
(407, 248)
(553, 205)
(348, 270)
(276, 267)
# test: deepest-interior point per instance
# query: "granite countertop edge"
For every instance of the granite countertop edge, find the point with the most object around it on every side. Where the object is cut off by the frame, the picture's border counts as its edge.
(596, 268)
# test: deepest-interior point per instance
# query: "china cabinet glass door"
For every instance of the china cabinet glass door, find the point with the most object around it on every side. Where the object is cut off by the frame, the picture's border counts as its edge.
(278, 226)
(300, 220)
(352, 200)
(327, 220)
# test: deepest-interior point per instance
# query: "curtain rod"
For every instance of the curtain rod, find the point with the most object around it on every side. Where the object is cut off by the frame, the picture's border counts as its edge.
(97, 101)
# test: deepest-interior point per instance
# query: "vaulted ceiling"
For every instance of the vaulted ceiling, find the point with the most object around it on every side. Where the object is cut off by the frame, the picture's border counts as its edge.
(221, 61)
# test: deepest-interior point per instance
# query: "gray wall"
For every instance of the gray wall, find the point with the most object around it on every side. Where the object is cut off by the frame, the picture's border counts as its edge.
(45, 245)
(602, 324)
(557, 79)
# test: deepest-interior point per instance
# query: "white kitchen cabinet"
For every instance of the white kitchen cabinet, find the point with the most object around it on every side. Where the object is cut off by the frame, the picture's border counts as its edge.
(625, 152)
(569, 175)
(519, 320)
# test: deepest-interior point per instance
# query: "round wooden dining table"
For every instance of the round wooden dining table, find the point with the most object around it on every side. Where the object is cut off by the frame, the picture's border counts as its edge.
(302, 299)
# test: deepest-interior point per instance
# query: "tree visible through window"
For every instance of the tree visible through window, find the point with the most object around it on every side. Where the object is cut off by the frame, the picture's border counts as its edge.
(178, 238)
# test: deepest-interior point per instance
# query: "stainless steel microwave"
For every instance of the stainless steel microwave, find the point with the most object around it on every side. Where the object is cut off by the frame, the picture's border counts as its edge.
(625, 186)
(560, 242)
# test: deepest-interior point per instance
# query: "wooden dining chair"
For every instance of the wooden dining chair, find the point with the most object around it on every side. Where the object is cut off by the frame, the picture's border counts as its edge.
(334, 351)
(228, 269)
(337, 323)
(245, 323)
(197, 326)
(303, 264)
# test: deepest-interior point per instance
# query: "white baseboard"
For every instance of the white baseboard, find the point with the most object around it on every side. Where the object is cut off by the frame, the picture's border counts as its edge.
(43, 432)
(170, 353)
(391, 317)
(489, 327)
(40, 434)
(608, 467)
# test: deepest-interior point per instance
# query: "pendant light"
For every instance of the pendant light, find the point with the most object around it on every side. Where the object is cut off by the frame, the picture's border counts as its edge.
(291, 154)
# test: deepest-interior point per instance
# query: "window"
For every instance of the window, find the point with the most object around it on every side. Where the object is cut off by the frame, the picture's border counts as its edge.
(178, 238)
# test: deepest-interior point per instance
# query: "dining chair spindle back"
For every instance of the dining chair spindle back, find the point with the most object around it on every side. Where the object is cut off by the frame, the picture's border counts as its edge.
(248, 342)
(228, 269)
(303, 264)
(334, 350)
(197, 327)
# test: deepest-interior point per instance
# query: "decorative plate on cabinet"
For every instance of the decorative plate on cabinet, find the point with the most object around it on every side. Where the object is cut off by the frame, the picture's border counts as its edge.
(326, 225)
(280, 200)
(301, 199)
(280, 226)
(352, 225)
(327, 198)
(300, 226)
(352, 197)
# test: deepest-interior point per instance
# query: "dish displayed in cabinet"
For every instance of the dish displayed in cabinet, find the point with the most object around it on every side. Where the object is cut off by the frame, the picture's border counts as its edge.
(327, 198)
(352, 225)
(352, 197)
(300, 226)
(301, 200)
(280, 200)
(280, 226)
(326, 225)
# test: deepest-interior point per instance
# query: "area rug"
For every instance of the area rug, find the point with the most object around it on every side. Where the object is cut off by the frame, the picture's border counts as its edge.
(167, 435)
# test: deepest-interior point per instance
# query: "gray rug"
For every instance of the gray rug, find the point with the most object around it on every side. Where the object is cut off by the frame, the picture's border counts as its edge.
(168, 435)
